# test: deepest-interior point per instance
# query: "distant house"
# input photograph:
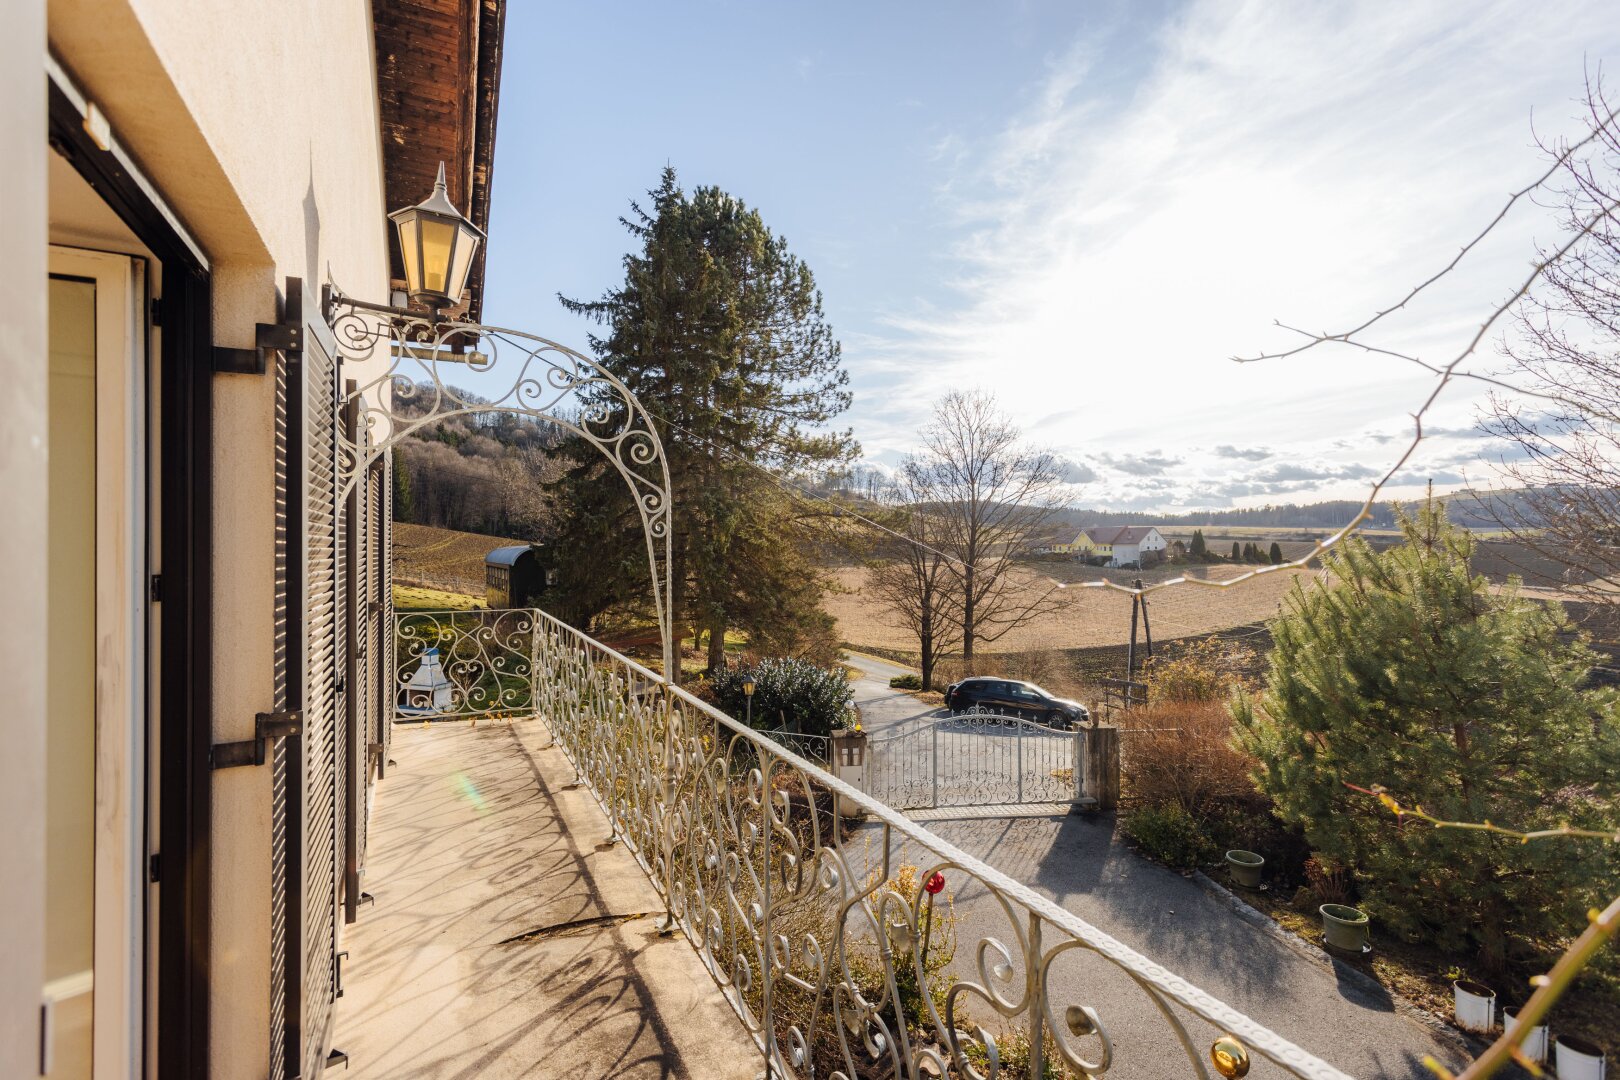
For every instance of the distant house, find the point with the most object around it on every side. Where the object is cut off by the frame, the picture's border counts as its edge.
(1118, 545)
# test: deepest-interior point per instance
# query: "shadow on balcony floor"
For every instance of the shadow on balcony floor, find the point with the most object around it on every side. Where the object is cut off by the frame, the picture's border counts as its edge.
(507, 939)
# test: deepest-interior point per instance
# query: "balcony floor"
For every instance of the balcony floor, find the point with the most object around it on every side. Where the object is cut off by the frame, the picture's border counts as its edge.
(507, 940)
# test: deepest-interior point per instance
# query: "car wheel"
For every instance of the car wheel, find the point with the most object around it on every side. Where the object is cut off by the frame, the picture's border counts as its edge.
(1056, 719)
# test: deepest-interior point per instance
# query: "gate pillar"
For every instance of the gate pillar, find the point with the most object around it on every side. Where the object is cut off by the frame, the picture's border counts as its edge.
(1098, 765)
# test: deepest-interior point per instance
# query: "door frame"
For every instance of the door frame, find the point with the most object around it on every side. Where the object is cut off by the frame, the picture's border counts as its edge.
(119, 668)
(180, 583)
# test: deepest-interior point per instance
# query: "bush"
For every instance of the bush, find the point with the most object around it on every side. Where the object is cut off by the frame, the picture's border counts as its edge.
(1407, 673)
(1171, 835)
(906, 682)
(1181, 754)
(788, 692)
(1207, 670)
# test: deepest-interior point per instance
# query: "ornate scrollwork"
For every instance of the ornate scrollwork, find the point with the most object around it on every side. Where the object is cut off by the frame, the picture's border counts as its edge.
(450, 664)
(402, 389)
(820, 938)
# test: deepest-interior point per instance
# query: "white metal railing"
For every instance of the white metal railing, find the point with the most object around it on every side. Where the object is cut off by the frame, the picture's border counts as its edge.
(463, 664)
(818, 927)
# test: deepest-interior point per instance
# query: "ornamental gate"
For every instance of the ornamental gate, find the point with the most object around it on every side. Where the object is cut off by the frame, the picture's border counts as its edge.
(973, 759)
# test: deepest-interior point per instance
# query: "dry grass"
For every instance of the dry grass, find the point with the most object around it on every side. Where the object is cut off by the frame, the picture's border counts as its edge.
(1090, 617)
(443, 558)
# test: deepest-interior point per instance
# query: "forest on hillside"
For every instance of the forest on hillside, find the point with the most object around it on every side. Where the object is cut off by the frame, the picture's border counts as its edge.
(482, 473)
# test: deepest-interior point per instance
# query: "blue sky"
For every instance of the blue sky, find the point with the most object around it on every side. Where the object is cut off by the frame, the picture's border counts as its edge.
(1084, 207)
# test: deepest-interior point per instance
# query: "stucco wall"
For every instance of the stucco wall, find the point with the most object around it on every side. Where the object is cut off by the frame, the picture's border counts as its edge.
(22, 544)
(257, 122)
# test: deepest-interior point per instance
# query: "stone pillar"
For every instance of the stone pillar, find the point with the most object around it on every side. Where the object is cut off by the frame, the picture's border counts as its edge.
(1099, 765)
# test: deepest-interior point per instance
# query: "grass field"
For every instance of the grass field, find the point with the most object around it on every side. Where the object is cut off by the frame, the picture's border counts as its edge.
(1089, 617)
(443, 558)
(415, 598)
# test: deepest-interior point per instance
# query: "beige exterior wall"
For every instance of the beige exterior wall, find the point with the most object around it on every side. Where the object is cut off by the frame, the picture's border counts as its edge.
(256, 120)
(22, 547)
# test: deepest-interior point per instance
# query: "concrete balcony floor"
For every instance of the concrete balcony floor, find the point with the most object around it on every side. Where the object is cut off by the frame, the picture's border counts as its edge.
(507, 938)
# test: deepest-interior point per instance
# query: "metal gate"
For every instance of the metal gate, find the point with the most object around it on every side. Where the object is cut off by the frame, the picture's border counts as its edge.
(972, 759)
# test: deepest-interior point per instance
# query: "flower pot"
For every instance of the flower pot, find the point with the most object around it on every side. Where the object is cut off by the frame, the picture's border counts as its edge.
(1579, 1059)
(1534, 1046)
(1245, 868)
(1474, 1004)
(1345, 927)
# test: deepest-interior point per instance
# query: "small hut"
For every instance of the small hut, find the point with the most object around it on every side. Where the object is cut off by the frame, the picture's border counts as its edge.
(429, 691)
(517, 576)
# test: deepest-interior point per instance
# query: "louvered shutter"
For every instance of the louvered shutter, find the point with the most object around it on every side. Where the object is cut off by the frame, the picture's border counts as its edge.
(287, 659)
(323, 737)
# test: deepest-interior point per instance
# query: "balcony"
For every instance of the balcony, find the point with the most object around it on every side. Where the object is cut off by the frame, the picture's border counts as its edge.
(509, 937)
(522, 868)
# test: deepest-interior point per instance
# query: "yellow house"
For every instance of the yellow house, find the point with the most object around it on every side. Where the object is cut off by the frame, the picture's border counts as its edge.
(1086, 546)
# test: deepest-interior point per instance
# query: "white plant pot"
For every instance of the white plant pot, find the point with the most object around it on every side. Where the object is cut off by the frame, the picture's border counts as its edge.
(1475, 1005)
(1579, 1059)
(1534, 1046)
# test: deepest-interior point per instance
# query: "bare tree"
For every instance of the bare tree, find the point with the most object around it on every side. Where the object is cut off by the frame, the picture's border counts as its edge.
(914, 579)
(993, 496)
(1564, 452)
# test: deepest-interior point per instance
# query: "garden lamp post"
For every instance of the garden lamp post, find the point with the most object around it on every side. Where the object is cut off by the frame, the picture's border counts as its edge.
(437, 245)
(748, 696)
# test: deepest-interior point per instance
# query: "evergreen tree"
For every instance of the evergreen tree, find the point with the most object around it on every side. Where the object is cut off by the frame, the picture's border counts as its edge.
(1236, 557)
(718, 330)
(1276, 553)
(404, 497)
(1198, 551)
(1407, 673)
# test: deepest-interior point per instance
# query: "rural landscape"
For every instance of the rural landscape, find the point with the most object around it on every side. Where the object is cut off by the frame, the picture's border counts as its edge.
(1355, 714)
(851, 541)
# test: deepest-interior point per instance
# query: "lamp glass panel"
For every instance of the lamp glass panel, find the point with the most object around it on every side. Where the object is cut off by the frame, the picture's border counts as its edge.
(410, 250)
(438, 249)
(465, 249)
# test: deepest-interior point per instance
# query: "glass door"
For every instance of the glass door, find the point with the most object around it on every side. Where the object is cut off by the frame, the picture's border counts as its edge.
(95, 638)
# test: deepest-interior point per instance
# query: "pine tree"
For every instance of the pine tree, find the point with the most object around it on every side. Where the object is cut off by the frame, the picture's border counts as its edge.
(404, 497)
(1407, 673)
(1276, 553)
(718, 329)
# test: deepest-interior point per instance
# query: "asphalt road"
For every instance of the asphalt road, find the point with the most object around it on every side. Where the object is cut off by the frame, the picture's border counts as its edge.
(1080, 864)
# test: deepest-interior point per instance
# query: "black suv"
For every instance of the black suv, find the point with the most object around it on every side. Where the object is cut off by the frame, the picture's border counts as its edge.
(1012, 698)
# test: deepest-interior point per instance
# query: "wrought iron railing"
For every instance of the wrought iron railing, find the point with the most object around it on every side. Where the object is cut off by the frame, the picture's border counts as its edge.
(829, 920)
(464, 664)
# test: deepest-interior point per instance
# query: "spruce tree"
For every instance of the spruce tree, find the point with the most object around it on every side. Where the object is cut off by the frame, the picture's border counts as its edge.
(1236, 557)
(404, 496)
(718, 330)
(1276, 553)
(1404, 672)
(1198, 551)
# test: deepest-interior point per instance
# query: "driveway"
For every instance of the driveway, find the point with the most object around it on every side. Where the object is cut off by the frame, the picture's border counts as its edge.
(881, 706)
(1080, 864)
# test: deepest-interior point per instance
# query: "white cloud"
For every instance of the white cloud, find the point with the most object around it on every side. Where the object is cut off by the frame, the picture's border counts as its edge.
(1304, 164)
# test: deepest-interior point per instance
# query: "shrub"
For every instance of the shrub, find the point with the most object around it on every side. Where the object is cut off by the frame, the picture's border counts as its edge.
(1181, 754)
(1171, 835)
(788, 692)
(1406, 672)
(906, 682)
(1207, 670)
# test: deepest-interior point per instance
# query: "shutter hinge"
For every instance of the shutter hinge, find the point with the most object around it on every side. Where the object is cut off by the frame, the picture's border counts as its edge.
(157, 310)
(337, 1057)
(157, 588)
(342, 956)
(152, 868)
(267, 727)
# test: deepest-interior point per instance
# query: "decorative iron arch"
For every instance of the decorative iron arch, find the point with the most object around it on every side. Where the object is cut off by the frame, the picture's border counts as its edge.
(400, 390)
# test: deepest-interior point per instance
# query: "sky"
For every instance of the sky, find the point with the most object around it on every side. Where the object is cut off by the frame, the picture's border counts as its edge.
(1085, 208)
